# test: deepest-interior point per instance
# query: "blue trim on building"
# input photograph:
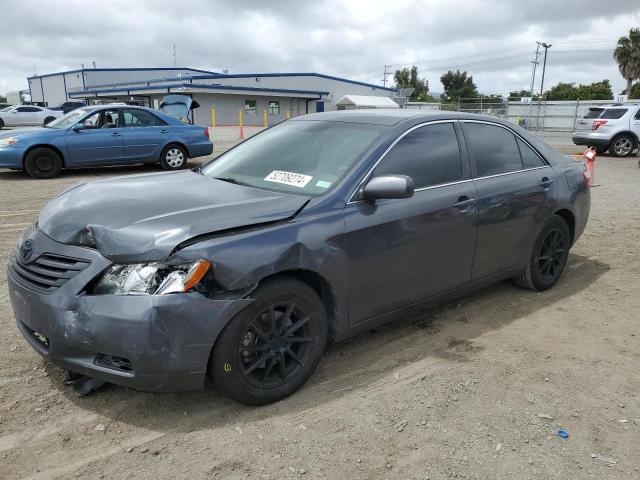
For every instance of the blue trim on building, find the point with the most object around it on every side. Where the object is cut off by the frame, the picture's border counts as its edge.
(203, 86)
(125, 69)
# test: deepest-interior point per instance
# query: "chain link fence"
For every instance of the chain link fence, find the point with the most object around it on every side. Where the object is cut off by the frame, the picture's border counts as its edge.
(560, 116)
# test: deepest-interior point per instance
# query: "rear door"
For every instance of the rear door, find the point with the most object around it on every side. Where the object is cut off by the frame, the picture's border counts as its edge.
(516, 195)
(100, 142)
(33, 115)
(144, 134)
(586, 122)
(402, 251)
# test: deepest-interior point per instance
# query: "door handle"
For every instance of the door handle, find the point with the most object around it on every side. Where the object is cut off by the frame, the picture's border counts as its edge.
(546, 182)
(464, 201)
(115, 134)
(165, 131)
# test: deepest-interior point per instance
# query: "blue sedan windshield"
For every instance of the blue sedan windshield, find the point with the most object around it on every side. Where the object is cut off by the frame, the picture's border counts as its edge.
(67, 120)
(306, 157)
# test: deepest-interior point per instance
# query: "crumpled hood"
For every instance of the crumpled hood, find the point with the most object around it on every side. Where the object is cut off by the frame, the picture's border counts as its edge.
(142, 218)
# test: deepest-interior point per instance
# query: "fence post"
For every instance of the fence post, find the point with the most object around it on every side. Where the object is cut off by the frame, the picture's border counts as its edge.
(575, 114)
(213, 117)
(264, 118)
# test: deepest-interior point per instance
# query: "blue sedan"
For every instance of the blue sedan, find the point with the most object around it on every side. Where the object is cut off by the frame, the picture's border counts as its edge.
(104, 135)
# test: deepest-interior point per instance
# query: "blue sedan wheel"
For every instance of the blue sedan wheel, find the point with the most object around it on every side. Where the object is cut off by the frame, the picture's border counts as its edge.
(173, 157)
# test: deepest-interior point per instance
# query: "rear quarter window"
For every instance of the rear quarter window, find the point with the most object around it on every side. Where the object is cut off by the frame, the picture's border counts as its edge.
(593, 113)
(614, 113)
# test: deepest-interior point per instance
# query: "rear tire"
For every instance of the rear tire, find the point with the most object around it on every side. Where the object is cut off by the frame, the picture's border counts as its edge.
(548, 257)
(174, 157)
(622, 145)
(1, 124)
(270, 349)
(600, 150)
(48, 120)
(43, 163)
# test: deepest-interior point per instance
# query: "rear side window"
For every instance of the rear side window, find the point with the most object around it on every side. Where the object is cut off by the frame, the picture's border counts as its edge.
(493, 149)
(637, 117)
(530, 159)
(614, 113)
(593, 113)
(141, 118)
(429, 155)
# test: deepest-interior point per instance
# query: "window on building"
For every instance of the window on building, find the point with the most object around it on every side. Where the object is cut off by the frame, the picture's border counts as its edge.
(274, 107)
(492, 148)
(141, 118)
(530, 159)
(429, 155)
(250, 107)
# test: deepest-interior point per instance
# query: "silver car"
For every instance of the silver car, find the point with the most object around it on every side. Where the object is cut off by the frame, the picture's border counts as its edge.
(27, 115)
(610, 127)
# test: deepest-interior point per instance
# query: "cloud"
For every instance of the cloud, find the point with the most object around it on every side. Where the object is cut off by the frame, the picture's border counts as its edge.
(493, 40)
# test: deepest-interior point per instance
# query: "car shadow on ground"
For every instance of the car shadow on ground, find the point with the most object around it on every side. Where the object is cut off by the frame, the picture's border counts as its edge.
(444, 333)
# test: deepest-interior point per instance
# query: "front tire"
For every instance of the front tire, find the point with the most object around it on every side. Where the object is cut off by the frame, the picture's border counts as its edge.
(48, 120)
(1, 124)
(173, 157)
(270, 349)
(622, 145)
(43, 163)
(548, 257)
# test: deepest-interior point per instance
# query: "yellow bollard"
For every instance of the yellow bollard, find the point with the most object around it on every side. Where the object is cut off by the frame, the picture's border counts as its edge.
(517, 122)
(240, 118)
(288, 114)
(264, 117)
(213, 118)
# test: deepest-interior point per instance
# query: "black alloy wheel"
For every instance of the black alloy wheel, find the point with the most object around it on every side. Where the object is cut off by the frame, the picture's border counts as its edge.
(272, 346)
(548, 257)
(43, 163)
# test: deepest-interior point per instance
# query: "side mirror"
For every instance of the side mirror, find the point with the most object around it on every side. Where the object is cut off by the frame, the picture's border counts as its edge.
(78, 127)
(388, 186)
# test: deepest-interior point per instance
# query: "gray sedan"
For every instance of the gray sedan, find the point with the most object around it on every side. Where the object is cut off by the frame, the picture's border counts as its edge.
(312, 231)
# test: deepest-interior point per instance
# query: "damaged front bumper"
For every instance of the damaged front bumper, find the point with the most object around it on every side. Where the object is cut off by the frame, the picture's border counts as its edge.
(157, 343)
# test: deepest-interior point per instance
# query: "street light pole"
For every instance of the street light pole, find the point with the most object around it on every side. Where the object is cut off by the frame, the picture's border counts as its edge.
(544, 65)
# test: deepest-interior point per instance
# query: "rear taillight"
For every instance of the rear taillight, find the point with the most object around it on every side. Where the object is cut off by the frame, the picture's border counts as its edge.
(206, 132)
(597, 124)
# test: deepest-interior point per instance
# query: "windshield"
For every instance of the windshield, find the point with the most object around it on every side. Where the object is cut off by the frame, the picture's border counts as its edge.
(305, 157)
(6, 109)
(67, 120)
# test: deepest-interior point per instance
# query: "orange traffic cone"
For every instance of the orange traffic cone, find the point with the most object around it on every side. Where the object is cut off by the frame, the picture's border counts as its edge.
(590, 160)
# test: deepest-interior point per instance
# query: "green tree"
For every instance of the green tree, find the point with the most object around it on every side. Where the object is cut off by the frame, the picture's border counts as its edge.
(596, 91)
(408, 78)
(627, 55)
(3, 99)
(562, 91)
(458, 85)
(522, 93)
(635, 91)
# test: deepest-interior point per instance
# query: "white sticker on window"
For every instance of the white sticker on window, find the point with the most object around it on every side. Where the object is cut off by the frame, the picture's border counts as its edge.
(323, 184)
(288, 178)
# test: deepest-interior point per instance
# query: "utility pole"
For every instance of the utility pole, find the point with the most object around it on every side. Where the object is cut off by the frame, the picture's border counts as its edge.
(384, 75)
(174, 55)
(535, 64)
(544, 64)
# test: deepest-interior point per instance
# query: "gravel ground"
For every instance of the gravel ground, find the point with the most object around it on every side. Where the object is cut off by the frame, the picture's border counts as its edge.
(476, 389)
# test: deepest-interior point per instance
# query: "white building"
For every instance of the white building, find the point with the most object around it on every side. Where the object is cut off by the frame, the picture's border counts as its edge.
(262, 97)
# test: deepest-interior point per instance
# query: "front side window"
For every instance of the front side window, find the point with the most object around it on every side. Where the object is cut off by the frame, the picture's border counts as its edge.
(101, 119)
(250, 107)
(492, 148)
(141, 118)
(28, 109)
(274, 107)
(429, 155)
(305, 157)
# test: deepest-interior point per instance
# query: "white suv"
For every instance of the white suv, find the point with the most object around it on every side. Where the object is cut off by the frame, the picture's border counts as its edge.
(24, 115)
(610, 127)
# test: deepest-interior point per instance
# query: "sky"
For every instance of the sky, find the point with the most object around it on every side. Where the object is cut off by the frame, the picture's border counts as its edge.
(494, 40)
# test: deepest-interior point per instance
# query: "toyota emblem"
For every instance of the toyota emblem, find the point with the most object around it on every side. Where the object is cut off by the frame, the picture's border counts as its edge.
(27, 249)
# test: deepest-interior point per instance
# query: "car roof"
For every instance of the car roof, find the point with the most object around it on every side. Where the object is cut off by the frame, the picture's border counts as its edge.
(115, 105)
(394, 117)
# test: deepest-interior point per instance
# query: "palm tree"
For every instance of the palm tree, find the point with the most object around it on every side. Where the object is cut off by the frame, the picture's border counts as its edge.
(627, 54)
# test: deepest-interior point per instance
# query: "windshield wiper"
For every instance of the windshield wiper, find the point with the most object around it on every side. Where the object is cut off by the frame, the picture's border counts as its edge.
(232, 180)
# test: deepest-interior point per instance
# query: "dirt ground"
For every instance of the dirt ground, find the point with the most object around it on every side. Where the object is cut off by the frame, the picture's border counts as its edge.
(476, 389)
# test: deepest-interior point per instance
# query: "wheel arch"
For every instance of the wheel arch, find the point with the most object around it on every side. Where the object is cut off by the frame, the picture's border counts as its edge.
(626, 132)
(568, 216)
(319, 285)
(44, 145)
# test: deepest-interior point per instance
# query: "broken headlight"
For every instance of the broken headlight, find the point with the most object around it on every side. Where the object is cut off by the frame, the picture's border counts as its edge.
(151, 278)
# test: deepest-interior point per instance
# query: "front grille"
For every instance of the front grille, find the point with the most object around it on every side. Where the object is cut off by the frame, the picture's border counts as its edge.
(114, 362)
(48, 272)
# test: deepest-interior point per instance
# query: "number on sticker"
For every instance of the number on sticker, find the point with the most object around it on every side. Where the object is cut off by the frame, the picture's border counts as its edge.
(288, 178)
